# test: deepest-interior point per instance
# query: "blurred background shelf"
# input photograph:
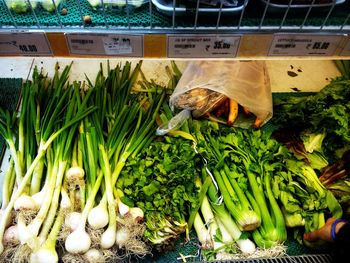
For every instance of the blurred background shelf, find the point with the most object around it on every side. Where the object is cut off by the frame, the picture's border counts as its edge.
(162, 15)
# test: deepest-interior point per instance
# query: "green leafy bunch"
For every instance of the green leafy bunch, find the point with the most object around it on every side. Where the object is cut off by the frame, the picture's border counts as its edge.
(325, 112)
(160, 181)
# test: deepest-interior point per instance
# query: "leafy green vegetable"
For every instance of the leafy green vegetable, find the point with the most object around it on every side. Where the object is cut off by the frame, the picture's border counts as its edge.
(160, 181)
(283, 190)
(324, 114)
(243, 162)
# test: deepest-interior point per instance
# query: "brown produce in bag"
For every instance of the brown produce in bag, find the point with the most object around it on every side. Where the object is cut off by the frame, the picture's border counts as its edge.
(224, 87)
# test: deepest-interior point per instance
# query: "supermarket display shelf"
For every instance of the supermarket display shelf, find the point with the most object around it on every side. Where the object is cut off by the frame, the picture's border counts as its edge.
(304, 79)
(253, 21)
(252, 15)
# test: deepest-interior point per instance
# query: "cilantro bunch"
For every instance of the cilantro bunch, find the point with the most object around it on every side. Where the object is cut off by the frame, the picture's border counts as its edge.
(160, 181)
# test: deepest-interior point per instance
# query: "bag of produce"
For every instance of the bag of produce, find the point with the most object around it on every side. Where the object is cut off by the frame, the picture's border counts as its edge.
(236, 92)
(22, 6)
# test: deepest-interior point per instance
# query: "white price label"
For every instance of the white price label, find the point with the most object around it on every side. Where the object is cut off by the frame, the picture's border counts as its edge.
(203, 46)
(304, 45)
(346, 49)
(24, 43)
(117, 45)
(105, 44)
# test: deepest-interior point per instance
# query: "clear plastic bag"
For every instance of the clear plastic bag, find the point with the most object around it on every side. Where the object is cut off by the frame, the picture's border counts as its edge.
(205, 84)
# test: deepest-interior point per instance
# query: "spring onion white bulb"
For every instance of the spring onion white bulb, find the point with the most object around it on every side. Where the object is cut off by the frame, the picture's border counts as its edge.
(44, 255)
(65, 200)
(78, 241)
(11, 236)
(122, 236)
(25, 202)
(39, 197)
(108, 238)
(137, 214)
(75, 174)
(72, 220)
(23, 232)
(94, 256)
(98, 216)
(122, 208)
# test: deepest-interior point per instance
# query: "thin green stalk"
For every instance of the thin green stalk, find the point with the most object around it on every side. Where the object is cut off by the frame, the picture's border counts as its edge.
(278, 218)
(229, 189)
(8, 184)
(82, 190)
(238, 191)
(48, 209)
(37, 177)
(50, 216)
(266, 219)
(109, 187)
(16, 159)
(92, 158)
(201, 195)
(52, 238)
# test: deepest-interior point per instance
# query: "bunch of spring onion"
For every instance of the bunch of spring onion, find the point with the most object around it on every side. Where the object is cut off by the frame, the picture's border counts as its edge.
(68, 147)
(39, 141)
(122, 125)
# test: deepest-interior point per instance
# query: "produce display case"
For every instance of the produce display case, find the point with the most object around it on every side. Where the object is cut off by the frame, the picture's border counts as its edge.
(158, 16)
(251, 21)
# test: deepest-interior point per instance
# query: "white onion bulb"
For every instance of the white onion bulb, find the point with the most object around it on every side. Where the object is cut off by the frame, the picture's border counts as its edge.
(78, 242)
(11, 235)
(75, 173)
(122, 208)
(65, 201)
(25, 202)
(98, 216)
(44, 255)
(94, 256)
(72, 220)
(24, 234)
(108, 238)
(122, 236)
(137, 214)
(39, 197)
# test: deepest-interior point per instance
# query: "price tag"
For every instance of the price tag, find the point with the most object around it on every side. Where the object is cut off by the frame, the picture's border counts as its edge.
(304, 45)
(203, 46)
(24, 43)
(346, 50)
(105, 44)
